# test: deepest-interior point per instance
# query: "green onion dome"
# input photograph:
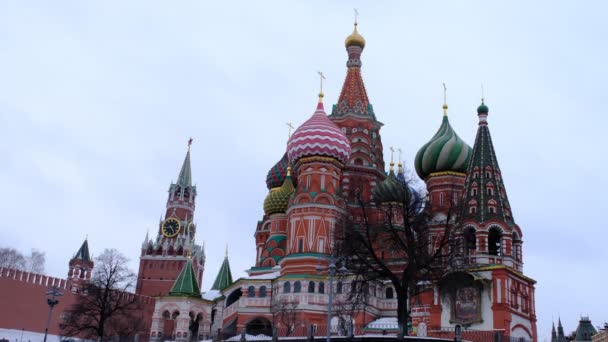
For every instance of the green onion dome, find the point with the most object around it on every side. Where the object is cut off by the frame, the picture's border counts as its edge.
(391, 190)
(278, 198)
(276, 175)
(445, 152)
(482, 108)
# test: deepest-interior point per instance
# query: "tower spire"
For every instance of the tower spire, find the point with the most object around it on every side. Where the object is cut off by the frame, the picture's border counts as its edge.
(185, 174)
(321, 78)
(445, 101)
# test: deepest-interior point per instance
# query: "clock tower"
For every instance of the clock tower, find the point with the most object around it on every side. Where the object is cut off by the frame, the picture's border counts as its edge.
(163, 257)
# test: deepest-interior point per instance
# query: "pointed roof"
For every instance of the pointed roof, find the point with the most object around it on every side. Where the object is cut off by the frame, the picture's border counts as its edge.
(553, 333)
(224, 276)
(483, 174)
(186, 284)
(185, 174)
(83, 252)
(585, 330)
(353, 97)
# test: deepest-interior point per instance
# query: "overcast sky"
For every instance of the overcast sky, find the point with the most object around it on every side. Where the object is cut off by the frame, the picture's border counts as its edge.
(98, 99)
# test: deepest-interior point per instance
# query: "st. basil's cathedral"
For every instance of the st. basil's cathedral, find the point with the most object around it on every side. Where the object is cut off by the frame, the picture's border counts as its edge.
(310, 195)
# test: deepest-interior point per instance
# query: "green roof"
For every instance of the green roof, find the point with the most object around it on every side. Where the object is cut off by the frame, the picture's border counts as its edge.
(186, 284)
(224, 277)
(185, 174)
(83, 252)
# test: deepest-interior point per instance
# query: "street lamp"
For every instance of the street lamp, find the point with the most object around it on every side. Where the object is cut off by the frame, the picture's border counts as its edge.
(331, 267)
(53, 292)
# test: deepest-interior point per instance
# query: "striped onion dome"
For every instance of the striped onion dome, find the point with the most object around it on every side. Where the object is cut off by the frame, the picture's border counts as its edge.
(444, 152)
(276, 175)
(318, 136)
(392, 190)
(278, 198)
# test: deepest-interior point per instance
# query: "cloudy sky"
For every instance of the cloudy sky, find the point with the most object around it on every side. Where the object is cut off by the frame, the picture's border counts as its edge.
(98, 99)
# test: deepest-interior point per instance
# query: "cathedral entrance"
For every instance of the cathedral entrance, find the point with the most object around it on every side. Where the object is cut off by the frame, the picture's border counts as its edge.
(259, 326)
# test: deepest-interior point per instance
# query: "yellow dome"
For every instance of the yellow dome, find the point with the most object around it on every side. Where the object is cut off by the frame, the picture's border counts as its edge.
(355, 39)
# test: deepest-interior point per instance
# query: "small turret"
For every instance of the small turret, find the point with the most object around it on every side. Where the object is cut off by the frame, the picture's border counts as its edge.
(224, 276)
(81, 267)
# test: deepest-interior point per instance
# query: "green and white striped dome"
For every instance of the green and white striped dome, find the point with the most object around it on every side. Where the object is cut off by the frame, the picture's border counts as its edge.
(444, 152)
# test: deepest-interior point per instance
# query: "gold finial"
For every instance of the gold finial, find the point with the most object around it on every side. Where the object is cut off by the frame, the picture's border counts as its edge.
(399, 160)
(321, 78)
(289, 171)
(445, 100)
(392, 163)
(290, 127)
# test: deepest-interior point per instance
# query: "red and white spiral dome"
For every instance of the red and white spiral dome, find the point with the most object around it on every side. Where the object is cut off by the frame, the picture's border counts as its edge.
(318, 136)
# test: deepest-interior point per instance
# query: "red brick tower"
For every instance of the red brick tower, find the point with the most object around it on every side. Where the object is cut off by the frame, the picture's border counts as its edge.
(163, 258)
(319, 150)
(355, 116)
(81, 267)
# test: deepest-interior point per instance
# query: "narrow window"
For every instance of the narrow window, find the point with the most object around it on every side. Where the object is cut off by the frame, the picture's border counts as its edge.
(311, 287)
(470, 241)
(472, 210)
(339, 287)
(297, 287)
(490, 192)
(321, 287)
(300, 245)
(251, 291)
(495, 242)
(308, 182)
(321, 245)
(474, 192)
(322, 182)
(389, 293)
(287, 287)
(263, 291)
(441, 200)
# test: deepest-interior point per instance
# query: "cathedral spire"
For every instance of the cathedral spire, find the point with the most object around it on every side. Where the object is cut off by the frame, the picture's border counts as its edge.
(485, 193)
(185, 174)
(353, 97)
(83, 252)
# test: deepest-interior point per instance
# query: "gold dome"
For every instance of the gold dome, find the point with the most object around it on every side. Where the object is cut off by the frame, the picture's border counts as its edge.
(355, 39)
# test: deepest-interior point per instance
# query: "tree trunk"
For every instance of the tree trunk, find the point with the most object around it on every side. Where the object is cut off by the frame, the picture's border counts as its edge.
(402, 313)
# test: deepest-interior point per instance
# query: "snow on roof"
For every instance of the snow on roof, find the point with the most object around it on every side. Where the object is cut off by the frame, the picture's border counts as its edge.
(384, 323)
(260, 337)
(266, 276)
(24, 335)
(212, 294)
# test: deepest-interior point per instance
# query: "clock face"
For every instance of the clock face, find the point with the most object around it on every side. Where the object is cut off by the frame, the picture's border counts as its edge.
(170, 227)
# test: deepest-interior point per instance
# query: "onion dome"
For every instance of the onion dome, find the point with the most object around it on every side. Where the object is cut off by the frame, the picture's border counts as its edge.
(278, 198)
(276, 175)
(444, 152)
(355, 39)
(391, 190)
(482, 108)
(318, 136)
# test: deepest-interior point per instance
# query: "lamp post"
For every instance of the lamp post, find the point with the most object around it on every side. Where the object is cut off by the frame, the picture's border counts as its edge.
(53, 292)
(331, 268)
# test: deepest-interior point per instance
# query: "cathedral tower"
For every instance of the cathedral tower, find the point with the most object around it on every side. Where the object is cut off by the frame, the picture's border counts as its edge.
(319, 150)
(163, 258)
(355, 116)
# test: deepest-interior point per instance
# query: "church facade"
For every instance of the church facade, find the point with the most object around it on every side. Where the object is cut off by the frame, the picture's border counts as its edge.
(311, 194)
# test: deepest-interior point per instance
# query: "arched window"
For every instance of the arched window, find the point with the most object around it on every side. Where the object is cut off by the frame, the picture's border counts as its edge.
(297, 287)
(494, 241)
(321, 287)
(287, 287)
(515, 246)
(311, 287)
(233, 297)
(263, 291)
(251, 291)
(339, 287)
(470, 241)
(389, 293)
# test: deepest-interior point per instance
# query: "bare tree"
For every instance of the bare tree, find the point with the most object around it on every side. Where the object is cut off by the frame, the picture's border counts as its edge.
(395, 241)
(35, 262)
(12, 258)
(105, 307)
(284, 311)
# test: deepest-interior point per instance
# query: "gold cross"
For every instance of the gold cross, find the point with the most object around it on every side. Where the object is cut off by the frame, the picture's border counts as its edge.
(322, 77)
(399, 155)
(356, 16)
(392, 151)
(445, 90)
(290, 127)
